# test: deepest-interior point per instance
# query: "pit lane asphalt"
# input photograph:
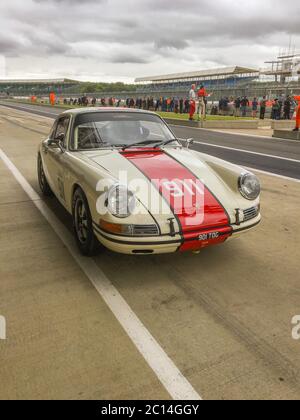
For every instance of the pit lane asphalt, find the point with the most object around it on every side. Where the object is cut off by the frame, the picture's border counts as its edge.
(223, 316)
(261, 145)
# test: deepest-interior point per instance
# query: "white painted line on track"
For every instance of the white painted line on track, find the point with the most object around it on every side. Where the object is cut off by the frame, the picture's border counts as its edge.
(256, 136)
(241, 150)
(272, 174)
(228, 131)
(250, 152)
(171, 125)
(265, 172)
(28, 111)
(169, 375)
(212, 130)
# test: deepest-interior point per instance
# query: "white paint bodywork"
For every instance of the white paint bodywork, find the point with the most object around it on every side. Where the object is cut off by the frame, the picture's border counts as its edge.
(66, 170)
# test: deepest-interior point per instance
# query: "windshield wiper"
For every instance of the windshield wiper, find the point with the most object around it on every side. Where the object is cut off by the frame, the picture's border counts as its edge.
(96, 146)
(140, 143)
(164, 143)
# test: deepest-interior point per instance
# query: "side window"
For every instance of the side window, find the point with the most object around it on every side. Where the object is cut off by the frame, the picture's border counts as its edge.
(62, 128)
(53, 130)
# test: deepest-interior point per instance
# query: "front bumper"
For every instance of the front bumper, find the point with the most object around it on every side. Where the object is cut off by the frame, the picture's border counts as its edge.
(166, 244)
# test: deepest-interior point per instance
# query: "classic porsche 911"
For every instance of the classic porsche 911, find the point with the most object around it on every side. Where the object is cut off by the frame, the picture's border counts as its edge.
(134, 188)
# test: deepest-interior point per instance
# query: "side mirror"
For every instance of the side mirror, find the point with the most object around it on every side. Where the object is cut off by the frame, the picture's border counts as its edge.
(189, 142)
(60, 137)
(57, 142)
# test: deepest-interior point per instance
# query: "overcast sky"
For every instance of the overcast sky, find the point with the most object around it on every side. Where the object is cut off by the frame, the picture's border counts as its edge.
(118, 40)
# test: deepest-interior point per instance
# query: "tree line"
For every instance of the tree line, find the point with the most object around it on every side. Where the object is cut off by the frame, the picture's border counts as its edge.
(90, 87)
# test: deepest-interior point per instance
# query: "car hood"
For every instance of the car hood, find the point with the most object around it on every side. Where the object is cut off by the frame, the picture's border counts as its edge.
(220, 199)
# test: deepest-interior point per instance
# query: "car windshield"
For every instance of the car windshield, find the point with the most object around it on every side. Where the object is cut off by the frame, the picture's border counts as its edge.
(113, 129)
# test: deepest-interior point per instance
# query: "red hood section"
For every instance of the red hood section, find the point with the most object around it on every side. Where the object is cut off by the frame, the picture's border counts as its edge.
(197, 210)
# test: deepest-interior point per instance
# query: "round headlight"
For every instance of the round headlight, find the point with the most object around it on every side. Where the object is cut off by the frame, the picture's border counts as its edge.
(120, 201)
(249, 186)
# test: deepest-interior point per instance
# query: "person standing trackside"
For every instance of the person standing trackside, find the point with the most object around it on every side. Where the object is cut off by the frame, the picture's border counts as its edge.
(254, 107)
(186, 106)
(263, 107)
(237, 106)
(244, 105)
(181, 103)
(280, 103)
(287, 108)
(275, 110)
(297, 98)
(157, 105)
(192, 99)
(202, 95)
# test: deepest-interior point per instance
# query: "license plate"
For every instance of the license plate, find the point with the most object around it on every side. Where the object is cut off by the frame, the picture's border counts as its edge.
(209, 236)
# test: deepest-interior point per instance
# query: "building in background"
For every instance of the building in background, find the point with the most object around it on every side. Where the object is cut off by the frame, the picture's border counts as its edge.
(281, 77)
(222, 82)
(285, 69)
(38, 87)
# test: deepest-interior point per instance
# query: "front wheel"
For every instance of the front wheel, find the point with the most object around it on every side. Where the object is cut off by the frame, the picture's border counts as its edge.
(43, 183)
(83, 225)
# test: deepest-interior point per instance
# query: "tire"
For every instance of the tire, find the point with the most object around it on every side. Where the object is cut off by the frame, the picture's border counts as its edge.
(83, 225)
(43, 183)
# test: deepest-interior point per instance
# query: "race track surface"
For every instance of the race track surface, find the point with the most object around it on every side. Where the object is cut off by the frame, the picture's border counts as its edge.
(263, 153)
(223, 318)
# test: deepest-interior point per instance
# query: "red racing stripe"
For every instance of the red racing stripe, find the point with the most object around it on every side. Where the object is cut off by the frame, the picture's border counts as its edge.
(201, 217)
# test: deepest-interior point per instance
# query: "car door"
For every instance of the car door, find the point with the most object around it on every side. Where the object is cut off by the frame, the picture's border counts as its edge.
(55, 157)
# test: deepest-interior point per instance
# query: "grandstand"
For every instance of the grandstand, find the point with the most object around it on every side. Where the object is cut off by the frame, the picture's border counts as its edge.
(37, 87)
(282, 78)
(218, 80)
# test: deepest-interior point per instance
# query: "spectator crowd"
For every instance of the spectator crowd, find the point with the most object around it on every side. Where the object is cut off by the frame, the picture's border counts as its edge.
(279, 108)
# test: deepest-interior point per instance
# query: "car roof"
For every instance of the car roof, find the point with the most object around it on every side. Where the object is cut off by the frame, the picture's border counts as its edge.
(88, 110)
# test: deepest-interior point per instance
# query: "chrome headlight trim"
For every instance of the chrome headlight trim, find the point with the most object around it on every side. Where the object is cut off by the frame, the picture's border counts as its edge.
(249, 186)
(121, 202)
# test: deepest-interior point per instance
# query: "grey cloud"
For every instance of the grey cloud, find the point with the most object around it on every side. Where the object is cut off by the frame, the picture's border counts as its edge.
(70, 2)
(127, 23)
(125, 58)
(7, 45)
(177, 44)
(188, 6)
(147, 36)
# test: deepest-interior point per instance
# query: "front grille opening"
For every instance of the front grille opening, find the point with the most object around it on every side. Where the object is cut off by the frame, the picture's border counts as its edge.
(251, 213)
(145, 230)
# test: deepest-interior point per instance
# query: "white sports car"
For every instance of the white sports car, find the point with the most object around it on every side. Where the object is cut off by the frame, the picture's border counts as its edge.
(131, 186)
